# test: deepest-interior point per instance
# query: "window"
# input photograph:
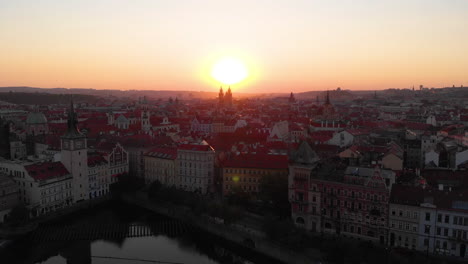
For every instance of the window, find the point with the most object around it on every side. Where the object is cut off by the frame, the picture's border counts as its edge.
(426, 242)
(427, 229)
(438, 231)
(439, 218)
(446, 231)
(447, 218)
(428, 216)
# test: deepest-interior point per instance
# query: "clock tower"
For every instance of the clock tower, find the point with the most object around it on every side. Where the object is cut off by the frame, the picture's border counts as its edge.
(75, 157)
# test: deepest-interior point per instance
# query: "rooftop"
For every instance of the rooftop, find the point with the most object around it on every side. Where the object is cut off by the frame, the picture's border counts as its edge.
(46, 170)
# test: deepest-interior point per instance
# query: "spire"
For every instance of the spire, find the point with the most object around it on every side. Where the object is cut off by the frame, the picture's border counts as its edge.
(327, 99)
(72, 129)
(291, 98)
(221, 96)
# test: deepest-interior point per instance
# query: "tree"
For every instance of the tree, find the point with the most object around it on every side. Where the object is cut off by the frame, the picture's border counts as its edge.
(154, 189)
(274, 189)
(18, 215)
(277, 230)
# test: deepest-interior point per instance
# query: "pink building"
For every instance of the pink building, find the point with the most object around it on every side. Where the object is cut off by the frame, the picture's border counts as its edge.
(351, 202)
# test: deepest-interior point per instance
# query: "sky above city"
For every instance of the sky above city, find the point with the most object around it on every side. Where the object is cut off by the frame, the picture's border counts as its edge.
(290, 45)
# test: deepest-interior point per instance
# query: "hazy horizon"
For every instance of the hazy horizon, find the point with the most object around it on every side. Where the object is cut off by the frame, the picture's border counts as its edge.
(171, 45)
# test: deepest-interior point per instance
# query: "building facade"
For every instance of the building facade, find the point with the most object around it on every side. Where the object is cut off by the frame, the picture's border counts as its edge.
(9, 196)
(160, 165)
(245, 172)
(196, 167)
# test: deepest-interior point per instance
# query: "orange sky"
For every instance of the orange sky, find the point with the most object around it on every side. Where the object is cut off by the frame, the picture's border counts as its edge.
(288, 45)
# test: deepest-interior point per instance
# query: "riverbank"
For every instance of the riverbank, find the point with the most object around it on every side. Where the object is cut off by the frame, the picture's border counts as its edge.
(9, 233)
(241, 235)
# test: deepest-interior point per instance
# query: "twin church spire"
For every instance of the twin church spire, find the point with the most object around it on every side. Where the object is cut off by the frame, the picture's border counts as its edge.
(225, 99)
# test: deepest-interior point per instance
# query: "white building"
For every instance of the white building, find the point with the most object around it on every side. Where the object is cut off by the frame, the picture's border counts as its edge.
(99, 176)
(443, 228)
(118, 162)
(43, 186)
(9, 196)
(404, 216)
(160, 165)
(196, 167)
(341, 139)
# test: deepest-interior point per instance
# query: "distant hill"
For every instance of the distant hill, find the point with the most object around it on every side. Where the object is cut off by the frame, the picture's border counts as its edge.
(155, 94)
(42, 98)
(335, 95)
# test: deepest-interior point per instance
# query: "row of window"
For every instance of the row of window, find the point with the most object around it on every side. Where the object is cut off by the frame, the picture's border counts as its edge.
(350, 205)
(191, 172)
(456, 220)
(242, 179)
(194, 157)
(248, 171)
(58, 197)
(243, 187)
(406, 214)
(196, 165)
(404, 226)
(353, 194)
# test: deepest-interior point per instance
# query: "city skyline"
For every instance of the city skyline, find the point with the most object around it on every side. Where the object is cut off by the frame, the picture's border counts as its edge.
(306, 46)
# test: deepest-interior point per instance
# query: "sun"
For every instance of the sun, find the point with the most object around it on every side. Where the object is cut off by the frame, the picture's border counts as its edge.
(229, 71)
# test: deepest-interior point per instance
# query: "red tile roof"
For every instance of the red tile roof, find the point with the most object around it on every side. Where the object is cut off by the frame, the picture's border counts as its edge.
(194, 147)
(258, 161)
(96, 160)
(46, 170)
(162, 153)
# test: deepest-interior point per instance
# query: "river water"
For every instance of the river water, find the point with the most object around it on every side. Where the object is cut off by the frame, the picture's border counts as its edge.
(102, 235)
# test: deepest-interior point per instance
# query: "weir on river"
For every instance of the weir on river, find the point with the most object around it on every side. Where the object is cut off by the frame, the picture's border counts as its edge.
(109, 231)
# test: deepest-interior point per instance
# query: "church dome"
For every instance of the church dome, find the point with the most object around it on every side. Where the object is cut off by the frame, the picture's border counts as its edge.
(36, 118)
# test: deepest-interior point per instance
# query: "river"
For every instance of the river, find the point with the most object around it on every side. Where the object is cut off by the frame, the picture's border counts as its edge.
(118, 234)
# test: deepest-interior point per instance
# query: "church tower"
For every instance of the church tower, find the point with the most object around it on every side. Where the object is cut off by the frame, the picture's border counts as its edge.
(75, 157)
(228, 97)
(145, 120)
(328, 109)
(292, 100)
(221, 96)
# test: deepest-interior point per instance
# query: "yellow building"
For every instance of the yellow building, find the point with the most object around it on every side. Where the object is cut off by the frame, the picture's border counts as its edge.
(244, 172)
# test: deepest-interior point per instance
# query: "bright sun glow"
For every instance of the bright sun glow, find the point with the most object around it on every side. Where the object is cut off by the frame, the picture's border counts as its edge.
(229, 71)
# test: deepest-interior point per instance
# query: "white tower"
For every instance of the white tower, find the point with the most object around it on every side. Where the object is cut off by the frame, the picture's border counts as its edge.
(110, 118)
(75, 157)
(145, 121)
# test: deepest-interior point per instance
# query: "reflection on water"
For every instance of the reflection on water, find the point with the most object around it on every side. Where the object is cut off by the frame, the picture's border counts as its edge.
(63, 242)
(159, 248)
